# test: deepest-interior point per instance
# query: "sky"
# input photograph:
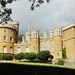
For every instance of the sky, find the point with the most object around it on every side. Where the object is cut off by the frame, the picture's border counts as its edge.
(46, 17)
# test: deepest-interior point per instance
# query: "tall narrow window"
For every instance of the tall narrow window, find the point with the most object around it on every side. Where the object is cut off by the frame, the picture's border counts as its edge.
(11, 31)
(46, 46)
(27, 49)
(4, 49)
(11, 50)
(4, 30)
(42, 46)
(4, 38)
(18, 50)
(52, 46)
(11, 39)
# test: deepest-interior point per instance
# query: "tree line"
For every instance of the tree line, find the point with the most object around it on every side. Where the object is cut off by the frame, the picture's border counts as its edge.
(42, 56)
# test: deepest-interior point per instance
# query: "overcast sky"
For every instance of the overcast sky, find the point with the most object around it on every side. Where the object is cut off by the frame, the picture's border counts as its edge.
(46, 17)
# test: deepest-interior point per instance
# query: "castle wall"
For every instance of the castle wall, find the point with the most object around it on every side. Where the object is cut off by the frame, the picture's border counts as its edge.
(69, 41)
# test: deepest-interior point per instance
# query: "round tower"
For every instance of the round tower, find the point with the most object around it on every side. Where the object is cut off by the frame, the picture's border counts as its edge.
(8, 36)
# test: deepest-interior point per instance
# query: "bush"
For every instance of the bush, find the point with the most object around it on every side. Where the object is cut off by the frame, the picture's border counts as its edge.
(43, 56)
(6, 57)
(60, 62)
(31, 56)
(19, 56)
(26, 55)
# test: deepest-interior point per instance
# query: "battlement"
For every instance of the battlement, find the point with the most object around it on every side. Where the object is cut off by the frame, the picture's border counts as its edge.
(14, 26)
(69, 26)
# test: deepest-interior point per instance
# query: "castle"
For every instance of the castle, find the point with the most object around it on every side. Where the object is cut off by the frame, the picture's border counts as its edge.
(59, 38)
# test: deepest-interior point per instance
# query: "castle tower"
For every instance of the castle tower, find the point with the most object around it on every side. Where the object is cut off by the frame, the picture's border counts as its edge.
(58, 31)
(8, 36)
(35, 42)
(45, 34)
(28, 36)
(23, 39)
(51, 34)
(58, 42)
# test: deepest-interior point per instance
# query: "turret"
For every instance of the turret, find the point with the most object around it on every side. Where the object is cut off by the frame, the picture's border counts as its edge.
(58, 31)
(45, 34)
(35, 33)
(51, 33)
(28, 36)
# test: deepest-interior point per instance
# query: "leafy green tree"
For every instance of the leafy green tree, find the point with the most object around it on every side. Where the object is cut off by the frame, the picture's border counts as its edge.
(19, 56)
(6, 57)
(43, 56)
(64, 53)
(26, 55)
(31, 56)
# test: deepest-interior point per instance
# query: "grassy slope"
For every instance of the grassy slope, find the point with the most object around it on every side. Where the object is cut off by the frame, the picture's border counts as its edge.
(28, 68)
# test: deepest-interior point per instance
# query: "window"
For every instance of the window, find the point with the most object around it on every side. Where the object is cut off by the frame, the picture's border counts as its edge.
(58, 54)
(11, 31)
(4, 49)
(46, 46)
(27, 49)
(42, 46)
(11, 39)
(4, 38)
(11, 50)
(18, 50)
(4, 30)
(57, 46)
(33, 34)
(52, 46)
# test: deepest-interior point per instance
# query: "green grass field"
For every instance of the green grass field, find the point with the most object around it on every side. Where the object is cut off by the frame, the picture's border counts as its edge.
(30, 68)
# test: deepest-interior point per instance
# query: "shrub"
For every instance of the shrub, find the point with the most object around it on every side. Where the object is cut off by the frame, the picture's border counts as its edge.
(31, 56)
(60, 62)
(43, 56)
(19, 56)
(26, 55)
(6, 57)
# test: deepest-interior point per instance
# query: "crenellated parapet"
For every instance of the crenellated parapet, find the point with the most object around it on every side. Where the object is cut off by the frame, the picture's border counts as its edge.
(14, 26)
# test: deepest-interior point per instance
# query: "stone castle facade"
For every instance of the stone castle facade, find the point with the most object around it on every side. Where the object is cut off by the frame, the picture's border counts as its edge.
(58, 38)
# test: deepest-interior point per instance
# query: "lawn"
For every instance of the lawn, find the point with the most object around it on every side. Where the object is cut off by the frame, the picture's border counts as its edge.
(30, 68)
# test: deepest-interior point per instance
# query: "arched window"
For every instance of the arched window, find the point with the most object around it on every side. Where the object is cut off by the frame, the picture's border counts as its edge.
(18, 49)
(46, 46)
(42, 46)
(52, 46)
(4, 49)
(27, 49)
(11, 50)
(11, 39)
(4, 38)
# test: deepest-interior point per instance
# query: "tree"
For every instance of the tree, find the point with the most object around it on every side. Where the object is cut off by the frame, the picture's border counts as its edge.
(43, 56)
(31, 56)
(26, 55)
(6, 57)
(19, 56)
(64, 53)
(6, 12)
